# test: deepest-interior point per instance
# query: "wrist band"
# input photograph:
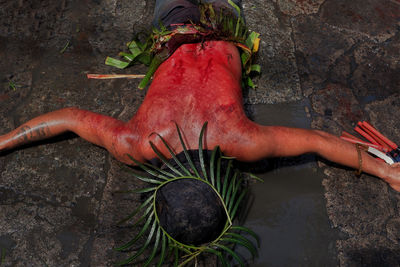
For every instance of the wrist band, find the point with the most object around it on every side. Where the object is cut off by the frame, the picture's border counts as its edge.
(358, 148)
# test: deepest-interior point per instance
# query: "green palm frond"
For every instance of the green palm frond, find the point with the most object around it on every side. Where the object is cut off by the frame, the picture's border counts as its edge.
(227, 186)
(222, 25)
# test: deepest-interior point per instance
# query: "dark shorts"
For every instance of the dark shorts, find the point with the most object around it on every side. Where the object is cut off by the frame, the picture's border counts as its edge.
(169, 12)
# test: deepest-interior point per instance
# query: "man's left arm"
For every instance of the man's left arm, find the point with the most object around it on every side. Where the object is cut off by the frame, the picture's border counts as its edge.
(274, 141)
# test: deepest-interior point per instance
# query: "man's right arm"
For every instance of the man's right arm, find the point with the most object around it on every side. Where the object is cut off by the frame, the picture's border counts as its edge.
(101, 130)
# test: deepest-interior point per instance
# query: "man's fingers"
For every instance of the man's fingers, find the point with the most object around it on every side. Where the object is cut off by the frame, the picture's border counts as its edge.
(395, 181)
(395, 187)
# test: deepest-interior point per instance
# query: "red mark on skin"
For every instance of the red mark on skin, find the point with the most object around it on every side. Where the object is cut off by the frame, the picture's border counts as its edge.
(206, 71)
(226, 108)
(177, 72)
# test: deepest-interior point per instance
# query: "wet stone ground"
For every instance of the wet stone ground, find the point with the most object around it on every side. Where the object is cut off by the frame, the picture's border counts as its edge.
(58, 199)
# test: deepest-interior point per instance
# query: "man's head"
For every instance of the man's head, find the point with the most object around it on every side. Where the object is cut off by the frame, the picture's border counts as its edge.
(189, 209)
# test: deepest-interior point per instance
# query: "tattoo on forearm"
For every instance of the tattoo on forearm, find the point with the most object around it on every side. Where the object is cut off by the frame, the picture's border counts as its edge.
(26, 133)
(23, 134)
(42, 131)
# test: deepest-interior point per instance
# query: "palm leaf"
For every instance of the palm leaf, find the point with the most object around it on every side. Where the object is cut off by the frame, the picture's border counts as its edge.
(188, 158)
(148, 168)
(163, 250)
(130, 216)
(140, 251)
(145, 58)
(161, 171)
(155, 63)
(134, 48)
(183, 168)
(146, 179)
(219, 255)
(219, 174)
(255, 177)
(116, 63)
(137, 222)
(239, 17)
(255, 68)
(144, 190)
(165, 161)
(189, 259)
(234, 193)
(156, 242)
(247, 230)
(136, 238)
(212, 163)
(249, 246)
(201, 155)
(226, 178)
(235, 208)
(231, 185)
(127, 56)
(232, 253)
(226, 157)
(176, 253)
(242, 243)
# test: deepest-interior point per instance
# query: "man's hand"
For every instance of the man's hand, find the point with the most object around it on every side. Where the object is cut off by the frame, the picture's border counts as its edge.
(393, 177)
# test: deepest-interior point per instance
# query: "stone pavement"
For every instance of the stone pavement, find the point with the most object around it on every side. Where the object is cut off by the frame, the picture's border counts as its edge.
(59, 200)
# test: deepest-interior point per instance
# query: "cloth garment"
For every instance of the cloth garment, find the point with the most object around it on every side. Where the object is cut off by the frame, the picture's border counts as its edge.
(169, 12)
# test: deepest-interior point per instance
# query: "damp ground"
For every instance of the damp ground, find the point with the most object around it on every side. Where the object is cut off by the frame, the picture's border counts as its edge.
(288, 210)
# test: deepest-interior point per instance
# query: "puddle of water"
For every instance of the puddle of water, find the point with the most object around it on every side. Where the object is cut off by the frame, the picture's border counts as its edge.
(288, 212)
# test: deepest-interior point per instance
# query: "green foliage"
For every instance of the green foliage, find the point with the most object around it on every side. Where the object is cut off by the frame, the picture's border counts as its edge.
(65, 47)
(222, 26)
(12, 85)
(227, 186)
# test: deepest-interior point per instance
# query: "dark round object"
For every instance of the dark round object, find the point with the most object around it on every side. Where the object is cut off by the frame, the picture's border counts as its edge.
(190, 211)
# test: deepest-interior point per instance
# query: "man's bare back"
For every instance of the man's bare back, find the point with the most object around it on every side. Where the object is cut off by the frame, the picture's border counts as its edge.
(199, 83)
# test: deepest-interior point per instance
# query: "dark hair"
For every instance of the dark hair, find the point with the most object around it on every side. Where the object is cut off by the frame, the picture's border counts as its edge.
(190, 210)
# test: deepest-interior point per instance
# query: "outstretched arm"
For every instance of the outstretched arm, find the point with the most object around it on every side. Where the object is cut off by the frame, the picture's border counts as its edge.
(101, 130)
(283, 142)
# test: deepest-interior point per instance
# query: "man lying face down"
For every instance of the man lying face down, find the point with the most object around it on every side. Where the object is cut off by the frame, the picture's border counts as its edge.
(198, 83)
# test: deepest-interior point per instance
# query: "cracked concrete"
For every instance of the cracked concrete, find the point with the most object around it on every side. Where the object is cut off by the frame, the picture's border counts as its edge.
(58, 199)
